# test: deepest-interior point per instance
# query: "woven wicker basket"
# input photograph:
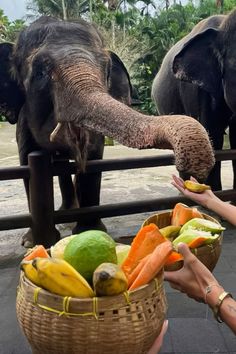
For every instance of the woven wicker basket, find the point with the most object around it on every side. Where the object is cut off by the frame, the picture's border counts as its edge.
(208, 254)
(127, 323)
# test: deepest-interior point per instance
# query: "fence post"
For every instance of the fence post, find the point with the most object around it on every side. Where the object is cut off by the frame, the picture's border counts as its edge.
(41, 199)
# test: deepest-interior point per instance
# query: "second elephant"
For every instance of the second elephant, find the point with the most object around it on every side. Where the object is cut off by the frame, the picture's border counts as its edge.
(198, 78)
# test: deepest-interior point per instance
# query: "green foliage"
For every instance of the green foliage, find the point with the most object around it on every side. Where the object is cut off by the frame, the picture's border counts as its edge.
(140, 32)
(64, 9)
(8, 33)
(9, 30)
(159, 33)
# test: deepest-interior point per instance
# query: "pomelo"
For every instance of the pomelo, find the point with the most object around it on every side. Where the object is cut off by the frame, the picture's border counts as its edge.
(87, 250)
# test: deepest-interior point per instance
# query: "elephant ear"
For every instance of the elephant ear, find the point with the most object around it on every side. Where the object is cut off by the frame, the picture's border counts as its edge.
(119, 85)
(11, 96)
(198, 62)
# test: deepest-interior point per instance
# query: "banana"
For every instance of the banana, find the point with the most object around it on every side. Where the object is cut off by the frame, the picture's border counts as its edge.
(109, 279)
(30, 272)
(59, 277)
(195, 187)
(170, 232)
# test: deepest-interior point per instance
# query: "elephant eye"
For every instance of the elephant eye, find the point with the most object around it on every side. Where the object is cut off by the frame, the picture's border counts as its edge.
(41, 67)
(40, 75)
(40, 72)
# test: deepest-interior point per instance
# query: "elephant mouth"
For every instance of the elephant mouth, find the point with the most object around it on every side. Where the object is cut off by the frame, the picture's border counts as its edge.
(77, 138)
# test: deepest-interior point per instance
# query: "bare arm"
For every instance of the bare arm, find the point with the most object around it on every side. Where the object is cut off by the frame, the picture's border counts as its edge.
(208, 200)
(198, 282)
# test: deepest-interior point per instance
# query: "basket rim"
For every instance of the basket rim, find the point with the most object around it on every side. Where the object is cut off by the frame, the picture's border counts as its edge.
(200, 249)
(169, 212)
(89, 306)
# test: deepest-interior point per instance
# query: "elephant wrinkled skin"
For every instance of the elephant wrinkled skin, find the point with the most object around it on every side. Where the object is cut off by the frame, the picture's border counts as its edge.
(198, 78)
(61, 71)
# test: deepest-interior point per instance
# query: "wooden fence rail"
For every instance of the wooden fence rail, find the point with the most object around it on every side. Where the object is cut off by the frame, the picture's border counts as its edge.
(43, 218)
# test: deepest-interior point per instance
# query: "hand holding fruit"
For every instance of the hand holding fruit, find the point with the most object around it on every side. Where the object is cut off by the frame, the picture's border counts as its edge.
(193, 278)
(200, 198)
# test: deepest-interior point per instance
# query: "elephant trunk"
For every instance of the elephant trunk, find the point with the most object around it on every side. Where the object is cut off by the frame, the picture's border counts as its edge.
(89, 106)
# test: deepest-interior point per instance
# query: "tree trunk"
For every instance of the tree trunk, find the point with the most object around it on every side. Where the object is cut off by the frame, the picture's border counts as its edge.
(64, 10)
(220, 4)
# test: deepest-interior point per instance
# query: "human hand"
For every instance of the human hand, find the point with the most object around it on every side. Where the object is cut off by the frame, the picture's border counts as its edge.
(159, 340)
(193, 278)
(200, 198)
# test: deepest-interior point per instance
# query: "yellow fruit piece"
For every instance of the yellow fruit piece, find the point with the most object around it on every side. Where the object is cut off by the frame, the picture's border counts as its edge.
(59, 277)
(170, 232)
(109, 279)
(57, 251)
(122, 252)
(30, 272)
(196, 187)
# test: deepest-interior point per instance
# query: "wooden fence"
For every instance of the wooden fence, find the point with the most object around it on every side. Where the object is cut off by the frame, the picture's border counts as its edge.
(43, 218)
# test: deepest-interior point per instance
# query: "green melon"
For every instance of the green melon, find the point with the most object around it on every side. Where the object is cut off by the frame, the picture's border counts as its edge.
(87, 250)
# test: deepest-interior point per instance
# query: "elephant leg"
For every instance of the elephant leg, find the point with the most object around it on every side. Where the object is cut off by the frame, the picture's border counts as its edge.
(214, 123)
(26, 145)
(199, 105)
(88, 186)
(214, 178)
(232, 140)
(69, 198)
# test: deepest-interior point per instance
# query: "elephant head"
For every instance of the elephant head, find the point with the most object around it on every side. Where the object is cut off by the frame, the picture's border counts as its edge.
(208, 58)
(69, 63)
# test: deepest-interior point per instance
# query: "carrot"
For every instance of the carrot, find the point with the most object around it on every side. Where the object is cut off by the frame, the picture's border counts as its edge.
(154, 263)
(133, 275)
(143, 244)
(174, 257)
(37, 251)
(182, 213)
(197, 242)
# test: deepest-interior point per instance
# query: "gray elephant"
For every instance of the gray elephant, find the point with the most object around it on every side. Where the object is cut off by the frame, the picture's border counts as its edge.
(61, 71)
(198, 78)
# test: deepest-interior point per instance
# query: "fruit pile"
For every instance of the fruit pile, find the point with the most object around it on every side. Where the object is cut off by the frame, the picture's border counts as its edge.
(92, 264)
(82, 265)
(189, 225)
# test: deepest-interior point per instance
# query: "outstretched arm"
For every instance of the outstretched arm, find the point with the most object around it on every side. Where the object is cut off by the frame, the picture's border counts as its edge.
(198, 282)
(158, 342)
(208, 200)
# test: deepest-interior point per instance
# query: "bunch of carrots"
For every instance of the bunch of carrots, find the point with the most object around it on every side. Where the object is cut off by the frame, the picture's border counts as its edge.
(151, 251)
(148, 254)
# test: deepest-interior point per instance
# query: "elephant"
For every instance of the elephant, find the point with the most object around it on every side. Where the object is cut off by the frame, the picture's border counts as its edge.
(197, 77)
(66, 91)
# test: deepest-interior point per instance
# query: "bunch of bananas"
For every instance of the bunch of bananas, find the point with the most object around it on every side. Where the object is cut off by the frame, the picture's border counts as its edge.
(57, 276)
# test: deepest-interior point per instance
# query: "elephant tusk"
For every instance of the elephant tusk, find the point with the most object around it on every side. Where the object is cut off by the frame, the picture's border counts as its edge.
(55, 132)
